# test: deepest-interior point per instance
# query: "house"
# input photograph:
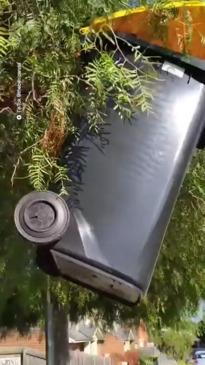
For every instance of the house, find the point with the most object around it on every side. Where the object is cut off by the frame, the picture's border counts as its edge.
(91, 339)
(122, 344)
(34, 340)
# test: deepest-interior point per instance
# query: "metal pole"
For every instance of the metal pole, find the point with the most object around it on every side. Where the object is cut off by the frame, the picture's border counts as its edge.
(68, 341)
(49, 327)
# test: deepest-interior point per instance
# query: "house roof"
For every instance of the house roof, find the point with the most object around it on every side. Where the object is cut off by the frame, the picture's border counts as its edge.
(76, 335)
(124, 334)
(86, 331)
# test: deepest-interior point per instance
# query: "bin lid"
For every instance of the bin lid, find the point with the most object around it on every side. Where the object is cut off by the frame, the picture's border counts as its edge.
(177, 27)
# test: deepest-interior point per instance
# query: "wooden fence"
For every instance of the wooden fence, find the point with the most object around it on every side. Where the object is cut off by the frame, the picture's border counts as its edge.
(21, 356)
(80, 358)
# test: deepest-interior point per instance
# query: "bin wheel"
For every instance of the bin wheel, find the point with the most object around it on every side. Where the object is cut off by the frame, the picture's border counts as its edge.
(42, 217)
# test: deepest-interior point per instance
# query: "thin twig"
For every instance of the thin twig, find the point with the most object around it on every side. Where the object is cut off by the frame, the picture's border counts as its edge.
(20, 159)
(33, 87)
(7, 109)
(28, 96)
(15, 169)
(121, 52)
(198, 198)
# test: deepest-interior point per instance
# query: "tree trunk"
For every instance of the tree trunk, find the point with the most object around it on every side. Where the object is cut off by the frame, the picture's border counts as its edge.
(57, 342)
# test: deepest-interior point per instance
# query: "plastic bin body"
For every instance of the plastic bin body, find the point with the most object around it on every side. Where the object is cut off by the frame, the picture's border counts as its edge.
(125, 184)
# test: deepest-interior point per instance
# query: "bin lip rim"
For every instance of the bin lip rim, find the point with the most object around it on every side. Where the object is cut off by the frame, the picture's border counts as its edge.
(140, 9)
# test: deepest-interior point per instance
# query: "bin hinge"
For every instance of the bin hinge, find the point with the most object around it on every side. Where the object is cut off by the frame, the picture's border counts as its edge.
(173, 69)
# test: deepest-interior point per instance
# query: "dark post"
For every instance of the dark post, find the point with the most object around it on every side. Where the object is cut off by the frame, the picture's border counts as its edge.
(43, 218)
(50, 348)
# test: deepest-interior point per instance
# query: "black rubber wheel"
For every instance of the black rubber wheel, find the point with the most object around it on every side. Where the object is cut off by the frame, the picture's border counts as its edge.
(42, 217)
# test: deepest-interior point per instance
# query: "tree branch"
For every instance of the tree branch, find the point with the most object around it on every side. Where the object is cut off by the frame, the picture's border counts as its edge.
(5, 109)
(20, 159)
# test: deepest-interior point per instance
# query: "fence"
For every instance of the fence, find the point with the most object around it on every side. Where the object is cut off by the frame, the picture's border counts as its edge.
(33, 358)
(80, 358)
(20, 356)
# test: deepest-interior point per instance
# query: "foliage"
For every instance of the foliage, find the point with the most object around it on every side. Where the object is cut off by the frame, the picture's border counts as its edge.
(162, 12)
(3, 42)
(148, 361)
(105, 81)
(201, 331)
(60, 89)
(177, 342)
(18, 273)
(44, 38)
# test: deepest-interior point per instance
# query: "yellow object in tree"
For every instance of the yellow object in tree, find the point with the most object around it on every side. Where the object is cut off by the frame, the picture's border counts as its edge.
(178, 26)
